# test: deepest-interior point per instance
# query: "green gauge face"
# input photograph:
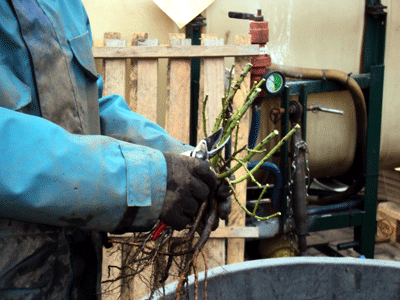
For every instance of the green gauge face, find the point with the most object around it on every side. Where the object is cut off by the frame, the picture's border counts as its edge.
(274, 83)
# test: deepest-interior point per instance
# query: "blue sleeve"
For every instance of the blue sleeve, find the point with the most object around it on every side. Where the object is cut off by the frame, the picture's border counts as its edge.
(118, 121)
(50, 176)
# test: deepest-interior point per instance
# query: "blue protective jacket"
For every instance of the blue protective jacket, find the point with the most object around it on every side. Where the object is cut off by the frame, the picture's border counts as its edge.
(72, 163)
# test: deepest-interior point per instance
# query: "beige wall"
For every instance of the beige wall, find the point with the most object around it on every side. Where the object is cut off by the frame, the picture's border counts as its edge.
(390, 143)
(308, 33)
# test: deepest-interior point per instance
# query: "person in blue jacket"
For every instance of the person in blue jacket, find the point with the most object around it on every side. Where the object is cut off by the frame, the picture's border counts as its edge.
(74, 164)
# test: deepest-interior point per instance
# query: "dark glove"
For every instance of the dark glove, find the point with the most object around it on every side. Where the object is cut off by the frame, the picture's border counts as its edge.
(223, 198)
(190, 182)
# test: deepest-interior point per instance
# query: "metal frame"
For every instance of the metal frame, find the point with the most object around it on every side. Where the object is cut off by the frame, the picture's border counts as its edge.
(362, 217)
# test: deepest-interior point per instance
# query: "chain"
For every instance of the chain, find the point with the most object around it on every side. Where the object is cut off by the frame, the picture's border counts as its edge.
(290, 219)
(303, 145)
(308, 177)
(298, 146)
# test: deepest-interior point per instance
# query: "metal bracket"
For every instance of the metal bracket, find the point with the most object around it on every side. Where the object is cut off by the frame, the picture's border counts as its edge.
(376, 9)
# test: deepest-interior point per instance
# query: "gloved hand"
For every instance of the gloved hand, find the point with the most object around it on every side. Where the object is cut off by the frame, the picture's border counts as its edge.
(190, 182)
(224, 201)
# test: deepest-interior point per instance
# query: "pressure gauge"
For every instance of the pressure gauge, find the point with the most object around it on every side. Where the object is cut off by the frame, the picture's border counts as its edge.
(274, 82)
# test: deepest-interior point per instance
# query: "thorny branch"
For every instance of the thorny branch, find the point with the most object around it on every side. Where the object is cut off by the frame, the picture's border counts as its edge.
(174, 258)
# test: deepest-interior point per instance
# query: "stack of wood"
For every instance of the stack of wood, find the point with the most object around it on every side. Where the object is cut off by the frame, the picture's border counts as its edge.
(389, 186)
(388, 216)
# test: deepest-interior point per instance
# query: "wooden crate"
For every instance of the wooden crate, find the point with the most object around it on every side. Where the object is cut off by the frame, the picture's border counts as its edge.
(226, 245)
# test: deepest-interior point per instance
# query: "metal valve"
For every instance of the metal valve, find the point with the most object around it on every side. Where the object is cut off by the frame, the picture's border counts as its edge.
(316, 108)
(259, 33)
(275, 114)
(246, 16)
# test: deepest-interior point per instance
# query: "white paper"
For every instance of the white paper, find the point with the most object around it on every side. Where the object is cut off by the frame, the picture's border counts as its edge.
(183, 11)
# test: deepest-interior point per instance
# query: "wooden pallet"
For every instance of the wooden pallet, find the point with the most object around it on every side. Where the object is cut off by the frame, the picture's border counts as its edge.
(388, 221)
(389, 186)
(141, 95)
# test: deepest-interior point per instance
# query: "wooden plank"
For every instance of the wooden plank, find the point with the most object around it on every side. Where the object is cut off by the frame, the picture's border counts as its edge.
(237, 217)
(114, 69)
(132, 100)
(111, 36)
(220, 233)
(147, 89)
(176, 51)
(389, 186)
(231, 232)
(388, 221)
(212, 84)
(114, 83)
(387, 227)
(391, 209)
(143, 96)
(138, 36)
(235, 232)
(137, 288)
(111, 257)
(177, 120)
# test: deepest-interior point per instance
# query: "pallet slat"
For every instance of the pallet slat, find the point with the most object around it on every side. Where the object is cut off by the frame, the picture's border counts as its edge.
(114, 83)
(114, 69)
(212, 84)
(220, 233)
(176, 51)
(132, 101)
(147, 88)
(237, 216)
(178, 99)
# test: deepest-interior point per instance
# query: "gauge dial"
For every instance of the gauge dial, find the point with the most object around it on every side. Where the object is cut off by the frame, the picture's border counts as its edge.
(275, 82)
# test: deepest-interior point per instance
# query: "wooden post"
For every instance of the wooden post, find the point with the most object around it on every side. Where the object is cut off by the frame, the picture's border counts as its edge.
(177, 104)
(237, 216)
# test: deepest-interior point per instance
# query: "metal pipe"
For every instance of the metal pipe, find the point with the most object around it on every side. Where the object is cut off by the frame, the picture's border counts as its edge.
(348, 245)
(276, 193)
(333, 208)
(255, 126)
(193, 32)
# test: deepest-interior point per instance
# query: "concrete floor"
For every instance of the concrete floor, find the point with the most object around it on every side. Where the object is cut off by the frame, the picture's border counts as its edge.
(383, 250)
